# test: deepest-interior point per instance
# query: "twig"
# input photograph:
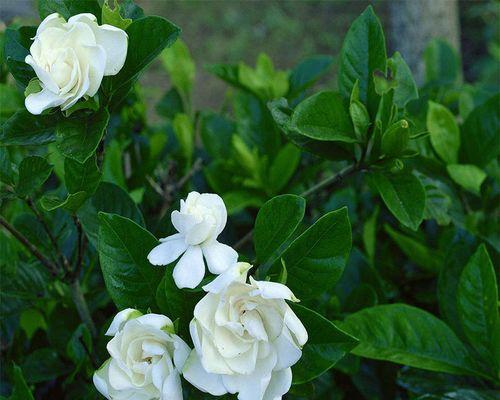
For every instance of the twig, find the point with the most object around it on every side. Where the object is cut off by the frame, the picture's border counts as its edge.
(26, 243)
(82, 307)
(330, 181)
(82, 244)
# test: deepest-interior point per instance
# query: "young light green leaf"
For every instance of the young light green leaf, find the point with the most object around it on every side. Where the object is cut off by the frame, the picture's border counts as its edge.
(480, 133)
(81, 177)
(316, 259)
(363, 53)
(184, 133)
(395, 139)
(407, 335)
(477, 299)
(276, 221)
(445, 135)
(326, 345)
(33, 172)
(78, 137)
(180, 66)
(25, 129)
(112, 15)
(469, 177)
(108, 198)
(283, 167)
(123, 247)
(360, 118)
(442, 64)
(323, 116)
(403, 194)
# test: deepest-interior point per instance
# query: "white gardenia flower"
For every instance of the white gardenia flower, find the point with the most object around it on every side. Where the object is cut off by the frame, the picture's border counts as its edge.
(246, 338)
(146, 359)
(201, 218)
(71, 58)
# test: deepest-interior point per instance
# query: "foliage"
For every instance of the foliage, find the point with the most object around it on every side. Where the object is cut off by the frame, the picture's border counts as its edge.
(377, 203)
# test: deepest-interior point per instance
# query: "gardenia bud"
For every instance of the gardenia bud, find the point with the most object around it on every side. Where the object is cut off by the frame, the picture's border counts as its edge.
(201, 218)
(71, 58)
(146, 359)
(246, 338)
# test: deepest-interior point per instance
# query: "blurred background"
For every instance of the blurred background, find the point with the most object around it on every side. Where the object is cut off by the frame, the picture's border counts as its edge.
(229, 31)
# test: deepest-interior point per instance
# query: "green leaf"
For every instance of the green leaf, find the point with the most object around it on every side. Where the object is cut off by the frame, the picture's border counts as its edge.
(123, 247)
(112, 16)
(319, 255)
(184, 132)
(406, 89)
(360, 118)
(477, 299)
(8, 175)
(363, 53)
(17, 44)
(307, 72)
(276, 221)
(410, 336)
(148, 36)
(323, 117)
(68, 8)
(79, 137)
(420, 253)
(283, 167)
(79, 344)
(71, 203)
(403, 194)
(469, 177)
(442, 64)
(33, 172)
(437, 200)
(445, 135)
(395, 139)
(81, 177)
(25, 129)
(33, 87)
(180, 66)
(480, 138)
(43, 365)
(21, 391)
(216, 133)
(108, 198)
(326, 345)
(370, 234)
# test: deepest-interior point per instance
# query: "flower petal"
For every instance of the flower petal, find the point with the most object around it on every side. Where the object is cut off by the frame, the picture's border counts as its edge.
(181, 352)
(287, 350)
(272, 290)
(172, 388)
(238, 272)
(120, 319)
(168, 251)
(190, 269)
(280, 384)
(220, 257)
(295, 326)
(100, 379)
(115, 43)
(36, 103)
(194, 373)
(156, 321)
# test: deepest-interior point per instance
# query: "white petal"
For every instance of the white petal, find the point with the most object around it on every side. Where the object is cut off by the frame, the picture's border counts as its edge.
(120, 319)
(190, 269)
(287, 351)
(184, 222)
(36, 103)
(181, 352)
(194, 373)
(295, 326)
(84, 85)
(100, 379)
(51, 21)
(97, 63)
(168, 251)
(118, 379)
(238, 272)
(215, 202)
(83, 17)
(280, 384)
(272, 290)
(115, 43)
(172, 388)
(156, 321)
(220, 257)
(43, 75)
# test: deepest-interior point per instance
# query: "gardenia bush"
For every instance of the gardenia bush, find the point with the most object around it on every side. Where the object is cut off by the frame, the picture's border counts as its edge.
(312, 244)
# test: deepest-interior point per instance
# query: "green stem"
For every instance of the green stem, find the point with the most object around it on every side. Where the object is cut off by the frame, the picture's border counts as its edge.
(82, 307)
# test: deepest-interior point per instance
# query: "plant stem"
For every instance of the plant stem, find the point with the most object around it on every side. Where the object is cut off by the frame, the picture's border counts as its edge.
(330, 181)
(26, 243)
(82, 243)
(82, 307)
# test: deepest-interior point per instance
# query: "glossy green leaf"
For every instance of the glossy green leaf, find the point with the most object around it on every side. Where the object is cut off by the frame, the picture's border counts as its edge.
(406, 89)
(283, 167)
(108, 198)
(407, 335)
(123, 247)
(469, 177)
(445, 135)
(72, 202)
(477, 299)
(480, 137)
(78, 137)
(318, 256)
(216, 133)
(25, 129)
(326, 345)
(17, 44)
(33, 172)
(403, 195)
(442, 63)
(276, 221)
(81, 177)
(363, 53)
(68, 8)
(307, 72)
(43, 365)
(395, 139)
(323, 116)
(8, 175)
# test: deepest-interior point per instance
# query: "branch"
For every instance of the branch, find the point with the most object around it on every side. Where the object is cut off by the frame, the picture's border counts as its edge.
(82, 307)
(26, 243)
(82, 244)
(330, 181)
